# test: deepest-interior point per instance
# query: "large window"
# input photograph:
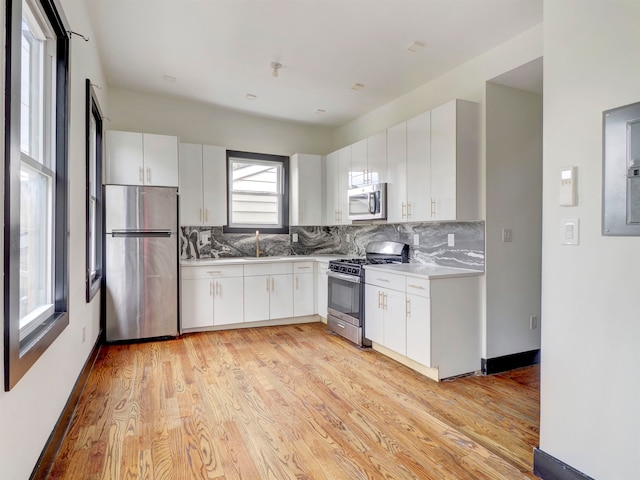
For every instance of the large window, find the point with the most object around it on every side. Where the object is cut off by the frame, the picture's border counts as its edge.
(258, 192)
(94, 193)
(35, 268)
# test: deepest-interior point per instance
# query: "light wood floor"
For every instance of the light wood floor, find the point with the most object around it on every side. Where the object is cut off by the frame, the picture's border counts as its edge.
(292, 403)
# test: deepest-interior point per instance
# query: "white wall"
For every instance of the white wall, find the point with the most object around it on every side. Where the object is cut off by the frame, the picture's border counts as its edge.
(590, 415)
(513, 200)
(196, 122)
(29, 412)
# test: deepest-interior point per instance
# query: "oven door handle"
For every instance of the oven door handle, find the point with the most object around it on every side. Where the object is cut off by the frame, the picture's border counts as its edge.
(342, 276)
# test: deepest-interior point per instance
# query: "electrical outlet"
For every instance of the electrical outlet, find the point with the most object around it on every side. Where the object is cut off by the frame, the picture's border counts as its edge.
(348, 237)
(507, 235)
(416, 239)
(451, 240)
(294, 237)
(533, 322)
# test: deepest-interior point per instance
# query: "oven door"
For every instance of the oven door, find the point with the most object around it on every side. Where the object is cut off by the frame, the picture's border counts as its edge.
(345, 299)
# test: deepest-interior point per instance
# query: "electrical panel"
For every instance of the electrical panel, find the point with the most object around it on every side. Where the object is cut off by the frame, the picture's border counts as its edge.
(621, 170)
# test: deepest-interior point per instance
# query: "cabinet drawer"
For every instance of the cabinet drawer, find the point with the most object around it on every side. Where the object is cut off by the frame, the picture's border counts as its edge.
(253, 268)
(303, 267)
(212, 271)
(419, 286)
(384, 279)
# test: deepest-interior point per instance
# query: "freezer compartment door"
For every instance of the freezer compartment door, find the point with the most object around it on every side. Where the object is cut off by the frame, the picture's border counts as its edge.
(140, 208)
(142, 287)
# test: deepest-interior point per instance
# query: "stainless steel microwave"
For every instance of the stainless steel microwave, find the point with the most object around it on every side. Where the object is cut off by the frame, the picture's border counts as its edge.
(368, 202)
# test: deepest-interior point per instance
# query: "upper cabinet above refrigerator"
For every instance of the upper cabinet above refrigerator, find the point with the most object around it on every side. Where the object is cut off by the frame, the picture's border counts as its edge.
(141, 159)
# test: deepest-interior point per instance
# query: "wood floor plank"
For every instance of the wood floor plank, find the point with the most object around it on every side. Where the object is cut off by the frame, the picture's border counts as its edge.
(292, 402)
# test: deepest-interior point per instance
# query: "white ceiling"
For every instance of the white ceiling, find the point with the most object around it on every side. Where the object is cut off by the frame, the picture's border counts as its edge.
(218, 51)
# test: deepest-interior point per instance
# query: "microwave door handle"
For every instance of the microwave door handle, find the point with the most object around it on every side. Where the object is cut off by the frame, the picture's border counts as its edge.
(372, 203)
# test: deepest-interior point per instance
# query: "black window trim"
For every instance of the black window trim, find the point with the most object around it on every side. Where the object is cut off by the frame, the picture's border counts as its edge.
(93, 110)
(20, 356)
(284, 160)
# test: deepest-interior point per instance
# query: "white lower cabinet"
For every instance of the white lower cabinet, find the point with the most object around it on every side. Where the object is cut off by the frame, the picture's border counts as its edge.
(323, 288)
(211, 296)
(197, 303)
(228, 294)
(418, 314)
(303, 289)
(374, 314)
(268, 291)
(432, 322)
(385, 322)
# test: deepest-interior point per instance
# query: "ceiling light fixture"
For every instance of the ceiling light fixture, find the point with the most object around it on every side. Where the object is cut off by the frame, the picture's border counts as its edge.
(250, 96)
(319, 111)
(415, 47)
(276, 66)
(357, 86)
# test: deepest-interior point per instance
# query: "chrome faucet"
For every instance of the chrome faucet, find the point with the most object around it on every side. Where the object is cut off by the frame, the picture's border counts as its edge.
(258, 251)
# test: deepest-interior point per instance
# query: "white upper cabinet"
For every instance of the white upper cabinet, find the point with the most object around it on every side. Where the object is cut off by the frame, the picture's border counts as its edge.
(408, 170)
(418, 168)
(455, 161)
(369, 160)
(305, 188)
(344, 167)
(203, 185)
(338, 169)
(397, 173)
(214, 175)
(377, 157)
(358, 171)
(190, 187)
(332, 166)
(141, 159)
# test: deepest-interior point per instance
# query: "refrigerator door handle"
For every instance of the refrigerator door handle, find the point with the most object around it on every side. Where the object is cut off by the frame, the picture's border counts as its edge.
(141, 233)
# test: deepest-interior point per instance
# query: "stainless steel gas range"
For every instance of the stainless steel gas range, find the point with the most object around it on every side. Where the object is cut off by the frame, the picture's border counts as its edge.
(345, 312)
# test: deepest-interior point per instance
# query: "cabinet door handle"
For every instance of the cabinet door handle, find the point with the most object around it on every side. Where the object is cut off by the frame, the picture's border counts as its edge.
(408, 209)
(200, 215)
(218, 289)
(211, 288)
(379, 299)
(211, 272)
(297, 283)
(303, 268)
(149, 174)
(382, 280)
(206, 215)
(140, 174)
(267, 284)
(408, 308)
(419, 287)
(433, 208)
(273, 284)
(404, 210)
(384, 301)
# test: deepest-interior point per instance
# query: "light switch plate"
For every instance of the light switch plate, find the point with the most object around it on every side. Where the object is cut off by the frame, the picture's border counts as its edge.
(294, 237)
(416, 239)
(570, 231)
(507, 235)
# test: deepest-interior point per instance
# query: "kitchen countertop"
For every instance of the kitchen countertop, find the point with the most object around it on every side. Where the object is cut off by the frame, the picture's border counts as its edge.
(422, 270)
(265, 259)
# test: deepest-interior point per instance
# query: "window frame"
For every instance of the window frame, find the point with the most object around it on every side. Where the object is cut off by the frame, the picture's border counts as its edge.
(94, 112)
(284, 211)
(21, 354)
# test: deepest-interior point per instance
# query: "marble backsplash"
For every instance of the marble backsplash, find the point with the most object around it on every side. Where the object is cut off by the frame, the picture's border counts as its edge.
(468, 251)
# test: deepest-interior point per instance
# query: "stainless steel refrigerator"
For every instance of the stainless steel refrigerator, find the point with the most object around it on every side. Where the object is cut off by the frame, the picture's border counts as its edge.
(141, 262)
